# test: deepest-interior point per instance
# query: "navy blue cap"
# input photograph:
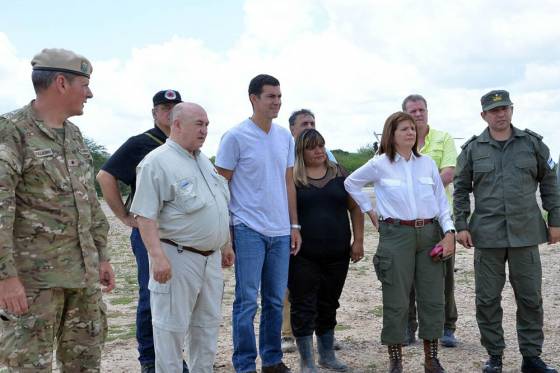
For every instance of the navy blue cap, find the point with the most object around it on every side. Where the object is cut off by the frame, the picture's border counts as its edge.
(167, 96)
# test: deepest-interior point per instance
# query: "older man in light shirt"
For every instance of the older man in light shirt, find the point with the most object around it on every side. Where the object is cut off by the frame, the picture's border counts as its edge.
(181, 207)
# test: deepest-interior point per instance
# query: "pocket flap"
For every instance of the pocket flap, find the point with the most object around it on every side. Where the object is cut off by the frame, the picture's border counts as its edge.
(391, 182)
(426, 180)
(158, 287)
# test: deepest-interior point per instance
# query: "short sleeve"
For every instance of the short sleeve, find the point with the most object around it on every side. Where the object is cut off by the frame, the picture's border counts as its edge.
(228, 152)
(149, 197)
(122, 164)
(291, 153)
(449, 156)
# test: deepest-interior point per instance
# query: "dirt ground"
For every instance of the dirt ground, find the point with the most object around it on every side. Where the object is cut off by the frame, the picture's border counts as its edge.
(359, 317)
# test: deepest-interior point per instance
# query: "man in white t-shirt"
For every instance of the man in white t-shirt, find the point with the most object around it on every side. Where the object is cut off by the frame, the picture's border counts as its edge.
(257, 157)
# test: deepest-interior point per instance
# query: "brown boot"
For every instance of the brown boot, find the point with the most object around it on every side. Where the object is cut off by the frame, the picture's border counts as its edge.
(395, 358)
(431, 362)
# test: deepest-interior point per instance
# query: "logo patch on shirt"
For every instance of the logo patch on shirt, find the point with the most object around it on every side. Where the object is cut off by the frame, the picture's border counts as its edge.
(43, 153)
(550, 163)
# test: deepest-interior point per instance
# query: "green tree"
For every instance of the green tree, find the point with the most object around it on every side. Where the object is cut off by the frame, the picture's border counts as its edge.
(100, 155)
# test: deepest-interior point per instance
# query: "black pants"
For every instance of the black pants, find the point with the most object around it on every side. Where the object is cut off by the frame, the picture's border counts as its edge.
(315, 287)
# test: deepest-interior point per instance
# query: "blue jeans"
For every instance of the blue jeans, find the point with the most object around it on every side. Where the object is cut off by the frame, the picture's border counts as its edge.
(144, 333)
(260, 262)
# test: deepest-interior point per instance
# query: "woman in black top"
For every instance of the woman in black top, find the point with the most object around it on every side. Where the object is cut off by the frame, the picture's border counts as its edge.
(318, 271)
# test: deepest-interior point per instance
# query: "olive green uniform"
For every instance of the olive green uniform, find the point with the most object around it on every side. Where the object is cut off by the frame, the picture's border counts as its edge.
(53, 234)
(506, 226)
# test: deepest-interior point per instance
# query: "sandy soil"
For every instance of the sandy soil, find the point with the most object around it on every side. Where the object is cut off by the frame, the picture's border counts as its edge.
(359, 317)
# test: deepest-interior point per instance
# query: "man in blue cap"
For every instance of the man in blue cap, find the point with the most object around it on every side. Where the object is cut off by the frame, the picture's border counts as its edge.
(122, 167)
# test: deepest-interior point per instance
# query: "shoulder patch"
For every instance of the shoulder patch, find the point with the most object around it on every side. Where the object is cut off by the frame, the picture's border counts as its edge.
(534, 134)
(469, 141)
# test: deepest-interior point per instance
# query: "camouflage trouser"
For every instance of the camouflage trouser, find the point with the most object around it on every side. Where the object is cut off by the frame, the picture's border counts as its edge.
(74, 318)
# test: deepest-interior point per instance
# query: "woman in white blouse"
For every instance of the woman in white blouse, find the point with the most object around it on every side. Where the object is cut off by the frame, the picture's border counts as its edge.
(411, 215)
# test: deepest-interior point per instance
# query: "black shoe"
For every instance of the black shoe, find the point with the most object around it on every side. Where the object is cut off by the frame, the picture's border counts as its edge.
(185, 367)
(535, 364)
(493, 364)
(148, 368)
(276, 368)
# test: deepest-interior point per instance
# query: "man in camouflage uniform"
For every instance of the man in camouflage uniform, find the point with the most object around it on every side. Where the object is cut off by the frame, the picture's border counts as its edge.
(502, 167)
(53, 234)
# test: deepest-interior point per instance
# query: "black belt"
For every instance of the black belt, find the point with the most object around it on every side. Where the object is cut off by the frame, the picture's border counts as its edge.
(187, 248)
(418, 223)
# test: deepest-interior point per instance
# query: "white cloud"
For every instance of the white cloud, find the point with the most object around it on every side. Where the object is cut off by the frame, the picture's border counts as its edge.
(351, 62)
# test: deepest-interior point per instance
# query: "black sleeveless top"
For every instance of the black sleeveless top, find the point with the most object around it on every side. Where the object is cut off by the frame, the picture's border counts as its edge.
(323, 215)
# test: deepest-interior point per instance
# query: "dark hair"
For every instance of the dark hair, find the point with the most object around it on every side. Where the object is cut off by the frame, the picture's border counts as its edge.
(413, 97)
(307, 139)
(42, 79)
(258, 82)
(388, 137)
(292, 119)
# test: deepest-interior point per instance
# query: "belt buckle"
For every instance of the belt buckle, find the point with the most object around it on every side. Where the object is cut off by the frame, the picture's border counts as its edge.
(418, 223)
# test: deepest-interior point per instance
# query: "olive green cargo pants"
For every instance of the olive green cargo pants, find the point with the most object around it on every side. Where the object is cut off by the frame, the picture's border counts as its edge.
(525, 276)
(402, 258)
(451, 314)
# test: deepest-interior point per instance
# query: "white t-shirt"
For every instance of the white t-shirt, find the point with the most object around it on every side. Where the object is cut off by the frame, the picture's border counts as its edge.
(259, 161)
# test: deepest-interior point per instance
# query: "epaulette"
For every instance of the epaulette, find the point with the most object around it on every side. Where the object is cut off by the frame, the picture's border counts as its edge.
(539, 137)
(469, 141)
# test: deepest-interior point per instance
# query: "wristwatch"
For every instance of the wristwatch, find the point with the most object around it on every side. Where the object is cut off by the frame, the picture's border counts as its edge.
(449, 231)
(295, 226)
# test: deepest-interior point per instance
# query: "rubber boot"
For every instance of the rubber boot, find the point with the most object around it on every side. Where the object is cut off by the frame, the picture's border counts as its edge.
(327, 359)
(306, 354)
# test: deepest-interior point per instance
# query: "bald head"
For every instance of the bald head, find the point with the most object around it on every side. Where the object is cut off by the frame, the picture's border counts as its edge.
(189, 126)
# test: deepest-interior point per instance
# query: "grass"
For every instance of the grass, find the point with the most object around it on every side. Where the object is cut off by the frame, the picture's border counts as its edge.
(377, 311)
(121, 332)
(340, 327)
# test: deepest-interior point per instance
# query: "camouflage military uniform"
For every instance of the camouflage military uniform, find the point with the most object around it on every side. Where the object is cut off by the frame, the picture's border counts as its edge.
(53, 234)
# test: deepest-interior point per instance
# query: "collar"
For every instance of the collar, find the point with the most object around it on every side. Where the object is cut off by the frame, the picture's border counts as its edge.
(398, 157)
(485, 135)
(173, 145)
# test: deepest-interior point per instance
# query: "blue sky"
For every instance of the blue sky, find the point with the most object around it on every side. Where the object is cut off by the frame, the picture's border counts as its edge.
(350, 61)
(110, 29)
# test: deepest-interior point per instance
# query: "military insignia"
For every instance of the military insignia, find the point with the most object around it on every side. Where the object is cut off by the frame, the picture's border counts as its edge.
(550, 163)
(497, 97)
(84, 67)
(73, 163)
(43, 153)
(170, 95)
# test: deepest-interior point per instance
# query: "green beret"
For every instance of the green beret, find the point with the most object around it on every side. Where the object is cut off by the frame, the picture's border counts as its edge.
(62, 60)
(494, 99)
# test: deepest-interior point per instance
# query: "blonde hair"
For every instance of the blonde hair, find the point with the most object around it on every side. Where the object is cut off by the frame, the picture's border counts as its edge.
(308, 139)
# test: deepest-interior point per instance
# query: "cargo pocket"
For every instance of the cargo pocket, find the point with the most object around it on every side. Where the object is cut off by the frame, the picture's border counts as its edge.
(383, 266)
(160, 295)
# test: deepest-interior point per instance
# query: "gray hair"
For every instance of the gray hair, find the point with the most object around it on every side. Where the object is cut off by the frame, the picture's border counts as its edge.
(292, 119)
(413, 97)
(42, 79)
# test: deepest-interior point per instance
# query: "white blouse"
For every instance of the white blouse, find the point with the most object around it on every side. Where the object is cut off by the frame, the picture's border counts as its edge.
(404, 190)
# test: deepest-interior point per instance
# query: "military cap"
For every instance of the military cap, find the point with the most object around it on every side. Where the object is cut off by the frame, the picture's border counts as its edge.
(167, 96)
(494, 99)
(63, 60)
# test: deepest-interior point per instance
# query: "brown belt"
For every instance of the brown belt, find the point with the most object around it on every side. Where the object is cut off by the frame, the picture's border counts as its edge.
(418, 223)
(187, 248)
